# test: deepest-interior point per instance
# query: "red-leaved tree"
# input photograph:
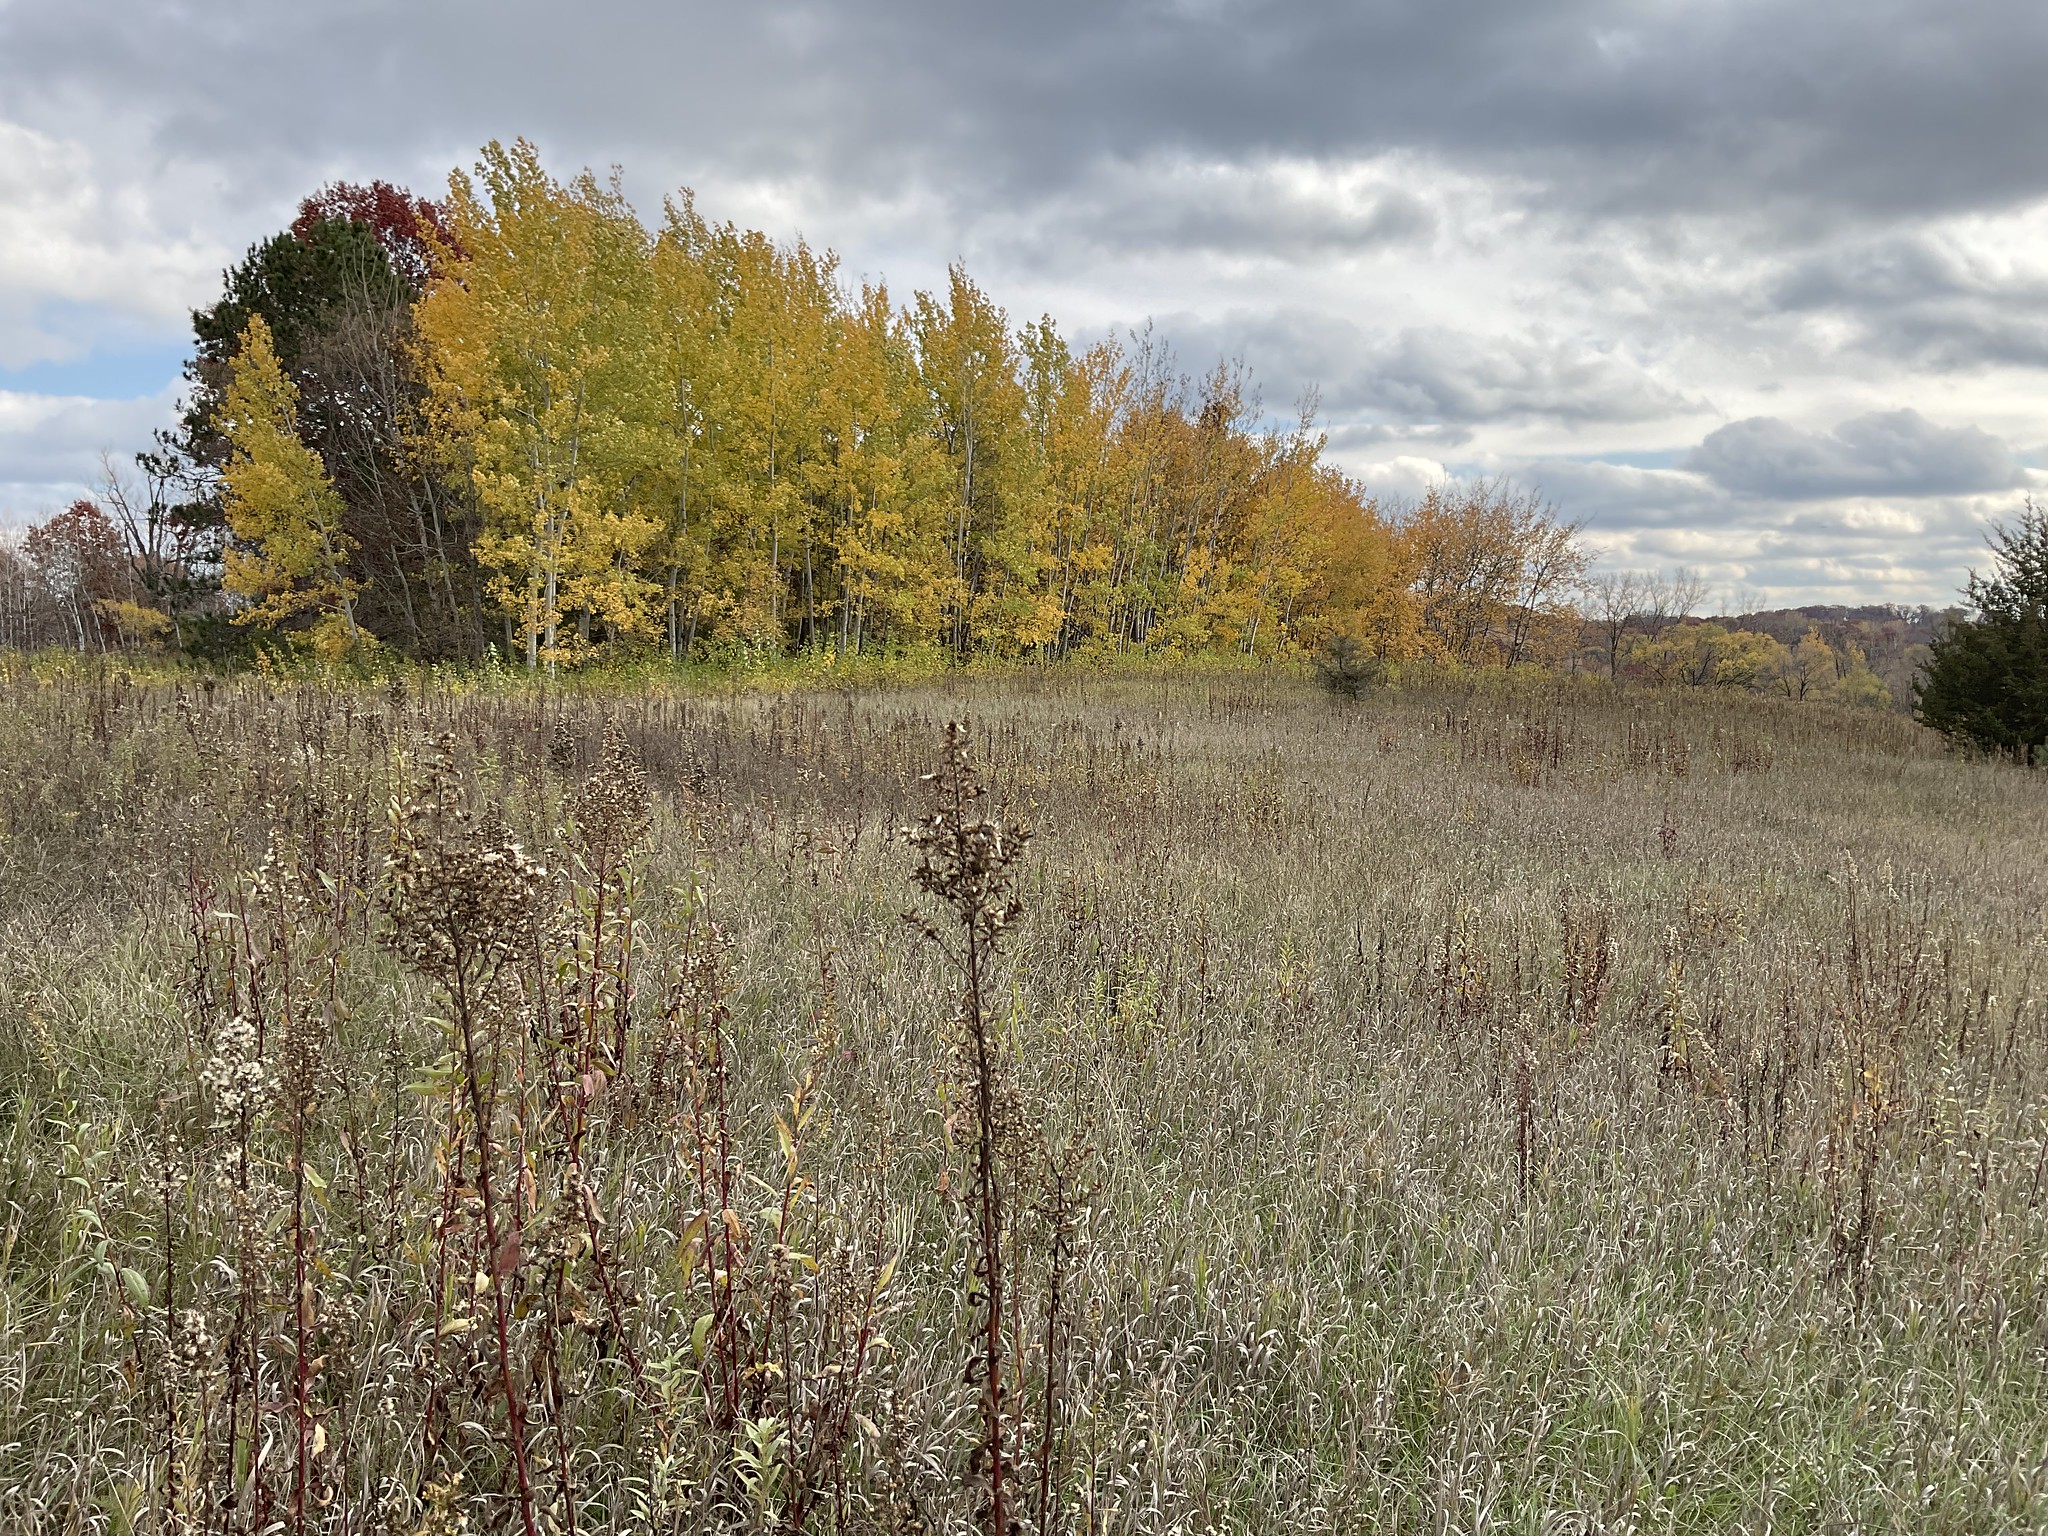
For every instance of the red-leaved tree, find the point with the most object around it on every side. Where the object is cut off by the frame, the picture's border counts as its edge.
(409, 228)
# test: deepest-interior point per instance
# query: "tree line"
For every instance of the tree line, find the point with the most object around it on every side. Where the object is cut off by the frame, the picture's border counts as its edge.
(521, 419)
(522, 422)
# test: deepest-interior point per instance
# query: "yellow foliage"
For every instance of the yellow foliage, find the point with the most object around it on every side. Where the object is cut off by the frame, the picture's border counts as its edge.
(290, 556)
(544, 382)
(1495, 571)
(1703, 655)
(137, 624)
(699, 435)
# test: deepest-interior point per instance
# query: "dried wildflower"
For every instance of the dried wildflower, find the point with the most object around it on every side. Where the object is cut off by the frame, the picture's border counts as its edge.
(191, 1342)
(234, 1077)
(461, 903)
(562, 747)
(965, 858)
(443, 1513)
(44, 1042)
(968, 861)
(612, 807)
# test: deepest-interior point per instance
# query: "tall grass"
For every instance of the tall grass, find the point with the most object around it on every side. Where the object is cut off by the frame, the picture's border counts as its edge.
(1476, 1107)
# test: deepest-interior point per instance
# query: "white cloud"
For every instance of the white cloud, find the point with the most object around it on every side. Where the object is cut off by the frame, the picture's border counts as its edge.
(1846, 548)
(51, 445)
(86, 254)
(1402, 478)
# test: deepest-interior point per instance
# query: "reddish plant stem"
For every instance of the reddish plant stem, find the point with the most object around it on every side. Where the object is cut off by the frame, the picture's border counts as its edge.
(479, 1107)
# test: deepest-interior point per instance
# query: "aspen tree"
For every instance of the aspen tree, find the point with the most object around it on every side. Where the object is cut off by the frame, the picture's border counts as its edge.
(768, 356)
(698, 437)
(616, 523)
(970, 368)
(887, 483)
(1073, 407)
(289, 557)
(531, 351)
(685, 296)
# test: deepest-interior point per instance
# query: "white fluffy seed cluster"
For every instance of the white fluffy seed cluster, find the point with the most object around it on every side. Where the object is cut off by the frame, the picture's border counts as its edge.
(233, 1077)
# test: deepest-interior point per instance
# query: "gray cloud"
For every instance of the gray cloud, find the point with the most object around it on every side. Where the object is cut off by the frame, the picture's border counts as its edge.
(1284, 212)
(1360, 437)
(1929, 299)
(1887, 453)
(1790, 551)
(1898, 268)
(1429, 382)
(1616, 499)
(1442, 374)
(1873, 105)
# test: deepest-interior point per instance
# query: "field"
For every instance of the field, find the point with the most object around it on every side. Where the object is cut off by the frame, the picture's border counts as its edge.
(1484, 1106)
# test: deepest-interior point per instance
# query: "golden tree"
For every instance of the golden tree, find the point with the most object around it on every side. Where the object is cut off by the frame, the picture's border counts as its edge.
(289, 558)
(541, 389)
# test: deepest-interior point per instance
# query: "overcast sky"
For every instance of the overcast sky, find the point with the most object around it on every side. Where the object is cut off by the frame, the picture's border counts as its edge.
(1760, 288)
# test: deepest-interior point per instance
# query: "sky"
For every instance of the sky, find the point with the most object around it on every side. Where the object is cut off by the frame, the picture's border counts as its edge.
(1759, 289)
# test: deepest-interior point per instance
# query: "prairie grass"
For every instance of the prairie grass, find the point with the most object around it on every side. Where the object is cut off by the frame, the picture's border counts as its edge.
(1479, 1106)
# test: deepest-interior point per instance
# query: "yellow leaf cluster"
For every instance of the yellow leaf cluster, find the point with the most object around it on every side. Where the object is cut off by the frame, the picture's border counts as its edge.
(289, 556)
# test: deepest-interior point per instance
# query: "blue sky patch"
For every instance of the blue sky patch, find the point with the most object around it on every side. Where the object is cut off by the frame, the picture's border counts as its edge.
(127, 374)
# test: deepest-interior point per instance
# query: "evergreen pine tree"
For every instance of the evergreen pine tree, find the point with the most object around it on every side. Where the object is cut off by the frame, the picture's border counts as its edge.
(1987, 680)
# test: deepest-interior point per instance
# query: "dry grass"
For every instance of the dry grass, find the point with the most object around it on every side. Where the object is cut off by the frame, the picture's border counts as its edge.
(1513, 1109)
